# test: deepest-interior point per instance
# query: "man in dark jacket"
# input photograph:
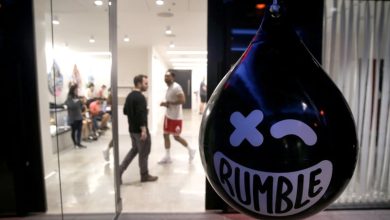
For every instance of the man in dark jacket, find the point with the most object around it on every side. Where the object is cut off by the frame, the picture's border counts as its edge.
(136, 111)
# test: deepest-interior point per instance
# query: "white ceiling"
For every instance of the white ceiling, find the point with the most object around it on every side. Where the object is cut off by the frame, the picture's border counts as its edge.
(80, 19)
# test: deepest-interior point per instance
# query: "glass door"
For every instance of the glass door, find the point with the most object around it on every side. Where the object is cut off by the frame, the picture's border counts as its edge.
(79, 91)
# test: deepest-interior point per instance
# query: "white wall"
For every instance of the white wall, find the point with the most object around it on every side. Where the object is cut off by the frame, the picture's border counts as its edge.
(134, 61)
(131, 62)
(93, 67)
(157, 88)
(42, 39)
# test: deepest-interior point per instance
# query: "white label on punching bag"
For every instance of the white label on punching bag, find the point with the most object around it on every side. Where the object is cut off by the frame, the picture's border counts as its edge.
(273, 194)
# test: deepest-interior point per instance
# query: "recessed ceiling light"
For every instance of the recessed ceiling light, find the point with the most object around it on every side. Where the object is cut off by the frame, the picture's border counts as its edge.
(159, 2)
(55, 20)
(126, 39)
(91, 40)
(98, 2)
(171, 45)
(168, 30)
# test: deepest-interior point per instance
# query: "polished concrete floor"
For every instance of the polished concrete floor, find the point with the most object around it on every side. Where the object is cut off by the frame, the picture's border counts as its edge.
(325, 215)
(181, 185)
(87, 185)
(87, 180)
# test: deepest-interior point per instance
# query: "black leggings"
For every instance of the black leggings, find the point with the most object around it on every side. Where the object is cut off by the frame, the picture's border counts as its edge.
(76, 132)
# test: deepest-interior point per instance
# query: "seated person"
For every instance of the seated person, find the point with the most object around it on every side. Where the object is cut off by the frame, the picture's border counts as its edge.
(101, 93)
(87, 130)
(97, 114)
(91, 93)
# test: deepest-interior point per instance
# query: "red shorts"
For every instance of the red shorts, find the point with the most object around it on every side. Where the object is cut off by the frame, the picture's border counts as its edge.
(172, 126)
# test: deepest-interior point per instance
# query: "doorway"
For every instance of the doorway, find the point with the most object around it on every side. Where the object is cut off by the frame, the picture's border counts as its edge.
(184, 79)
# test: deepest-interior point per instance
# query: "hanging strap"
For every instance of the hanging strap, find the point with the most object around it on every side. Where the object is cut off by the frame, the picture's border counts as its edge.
(275, 9)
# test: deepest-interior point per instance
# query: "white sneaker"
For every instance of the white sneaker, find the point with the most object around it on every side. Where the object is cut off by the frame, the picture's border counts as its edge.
(191, 153)
(165, 160)
(106, 155)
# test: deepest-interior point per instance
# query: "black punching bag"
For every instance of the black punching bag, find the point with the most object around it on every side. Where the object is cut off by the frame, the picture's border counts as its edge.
(278, 139)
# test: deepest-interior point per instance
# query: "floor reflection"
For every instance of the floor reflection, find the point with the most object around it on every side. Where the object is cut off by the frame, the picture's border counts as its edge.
(87, 179)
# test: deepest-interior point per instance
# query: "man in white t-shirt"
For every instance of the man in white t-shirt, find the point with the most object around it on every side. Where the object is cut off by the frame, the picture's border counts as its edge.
(173, 119)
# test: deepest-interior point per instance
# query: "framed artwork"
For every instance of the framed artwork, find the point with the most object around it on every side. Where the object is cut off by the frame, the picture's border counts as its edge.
(56, 80)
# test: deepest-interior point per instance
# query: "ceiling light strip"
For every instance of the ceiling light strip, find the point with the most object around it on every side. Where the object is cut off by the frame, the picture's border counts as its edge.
(159, 2)
(186, 52)
(98, 2)
(188, 60)
(188, 64)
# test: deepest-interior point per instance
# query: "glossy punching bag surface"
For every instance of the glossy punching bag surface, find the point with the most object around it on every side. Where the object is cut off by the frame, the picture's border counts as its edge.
(278, 139)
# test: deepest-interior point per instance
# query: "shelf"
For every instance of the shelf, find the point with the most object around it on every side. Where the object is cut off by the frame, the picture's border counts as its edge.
(53, 110)
(60, 130)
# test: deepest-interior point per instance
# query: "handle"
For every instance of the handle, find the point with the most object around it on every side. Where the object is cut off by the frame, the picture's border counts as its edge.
(188, 87)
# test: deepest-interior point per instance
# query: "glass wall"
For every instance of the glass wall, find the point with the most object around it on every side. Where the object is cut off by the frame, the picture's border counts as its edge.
(72, 42)
(44, 51)
(72, 39)
(356, 54)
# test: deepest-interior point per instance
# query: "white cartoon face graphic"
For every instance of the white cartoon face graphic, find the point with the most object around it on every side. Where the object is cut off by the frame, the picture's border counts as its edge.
(271, 193)
(245, 128)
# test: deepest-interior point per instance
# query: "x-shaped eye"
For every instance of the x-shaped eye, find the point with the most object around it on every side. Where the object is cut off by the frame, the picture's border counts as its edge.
(246, 128)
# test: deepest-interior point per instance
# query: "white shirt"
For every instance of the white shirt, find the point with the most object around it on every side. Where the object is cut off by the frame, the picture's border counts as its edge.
(174, 111)
(91, 94)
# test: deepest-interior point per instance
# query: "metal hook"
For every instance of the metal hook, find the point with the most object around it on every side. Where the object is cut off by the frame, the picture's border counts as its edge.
(275, 9)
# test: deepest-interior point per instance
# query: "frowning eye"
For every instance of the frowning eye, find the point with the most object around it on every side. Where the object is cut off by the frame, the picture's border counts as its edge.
(294, 127)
